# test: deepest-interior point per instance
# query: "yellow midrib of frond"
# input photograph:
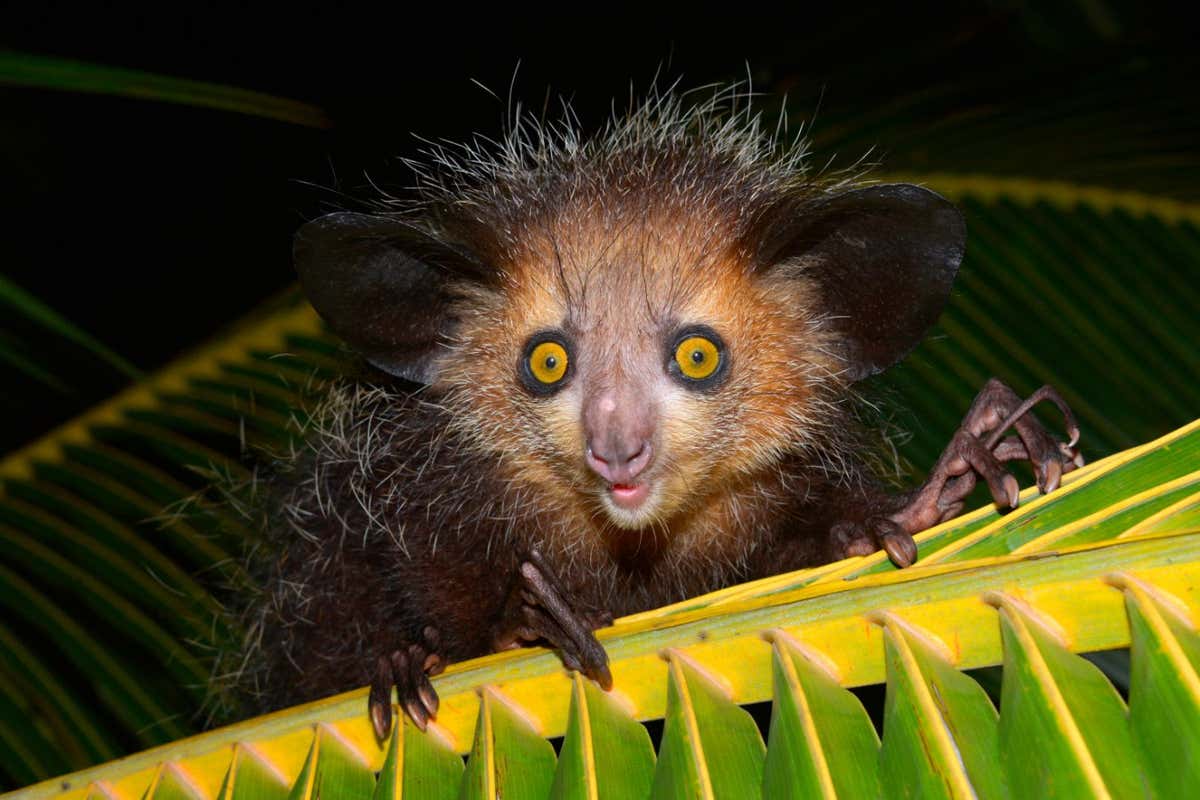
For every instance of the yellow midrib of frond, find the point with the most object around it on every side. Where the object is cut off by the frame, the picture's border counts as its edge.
(951, 607)
(267, 333)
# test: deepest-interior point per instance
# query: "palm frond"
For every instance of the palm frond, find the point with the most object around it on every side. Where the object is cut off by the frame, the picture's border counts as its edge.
(44, 72)
(989, 590)
(17, 302)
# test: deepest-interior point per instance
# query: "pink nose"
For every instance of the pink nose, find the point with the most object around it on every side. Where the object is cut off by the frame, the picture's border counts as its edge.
(616, 464)
(619, 427)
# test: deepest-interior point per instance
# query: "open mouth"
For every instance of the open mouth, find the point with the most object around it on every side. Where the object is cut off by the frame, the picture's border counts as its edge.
(629, 496)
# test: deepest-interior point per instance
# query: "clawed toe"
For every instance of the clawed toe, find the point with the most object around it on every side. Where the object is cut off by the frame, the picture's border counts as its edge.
(978, 451)
(1050, 458)
(899, 545)
(876, 533)
(408, 669)
(538, 611)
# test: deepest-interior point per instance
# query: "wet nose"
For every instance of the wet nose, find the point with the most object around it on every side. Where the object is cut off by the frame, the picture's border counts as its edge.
(619, 431)
(616, 464)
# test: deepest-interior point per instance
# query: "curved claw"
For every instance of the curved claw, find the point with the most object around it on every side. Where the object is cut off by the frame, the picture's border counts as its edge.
(900, 547)
(1073, 459)
(1049, 476)
(876, 533)
(408, 669)
(1050, 458)
(601, 675)
(978, 450)
(537, 610)
(413, 689)
(379, 702)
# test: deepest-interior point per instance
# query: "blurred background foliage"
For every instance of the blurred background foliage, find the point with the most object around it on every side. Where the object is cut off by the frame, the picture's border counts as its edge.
(157, 163)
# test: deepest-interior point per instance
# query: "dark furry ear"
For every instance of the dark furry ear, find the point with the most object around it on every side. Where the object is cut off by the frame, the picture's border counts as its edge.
(382, 285)
(884, 258)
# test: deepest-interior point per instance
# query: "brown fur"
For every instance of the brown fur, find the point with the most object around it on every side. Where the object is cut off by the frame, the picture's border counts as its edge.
(414, 508)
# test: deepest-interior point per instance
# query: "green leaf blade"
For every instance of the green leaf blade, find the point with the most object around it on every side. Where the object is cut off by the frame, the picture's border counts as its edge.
(24, 303)
(332, 771)
(1162, 464)
(605, 753)
(418, 765)
(250, 778)
(1063, 730)
(711, 747)
(509, 759)
(1164, 695)
(169, 785)
(25, 69)
(940, 728)
(821, 742)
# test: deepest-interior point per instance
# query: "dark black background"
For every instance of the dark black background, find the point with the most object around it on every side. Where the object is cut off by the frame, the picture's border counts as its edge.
(153, 225)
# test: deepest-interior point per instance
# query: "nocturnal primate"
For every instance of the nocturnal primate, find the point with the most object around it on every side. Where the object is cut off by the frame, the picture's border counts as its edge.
(605, 374)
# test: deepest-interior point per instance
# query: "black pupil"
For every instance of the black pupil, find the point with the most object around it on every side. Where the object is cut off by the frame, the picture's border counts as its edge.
(551, 362)
(697, 356)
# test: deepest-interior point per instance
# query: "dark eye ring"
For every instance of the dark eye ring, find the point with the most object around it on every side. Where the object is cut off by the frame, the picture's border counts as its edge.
(546, 363)
(697, 357)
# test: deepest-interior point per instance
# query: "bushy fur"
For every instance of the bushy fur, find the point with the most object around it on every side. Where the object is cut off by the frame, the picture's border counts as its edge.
(412, 507)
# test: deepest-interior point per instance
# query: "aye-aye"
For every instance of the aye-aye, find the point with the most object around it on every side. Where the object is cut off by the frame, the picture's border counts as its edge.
(608, 374)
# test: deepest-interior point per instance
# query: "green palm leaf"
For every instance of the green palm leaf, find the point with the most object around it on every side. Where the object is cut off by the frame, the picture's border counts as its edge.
(822, 743)
(16, 301)
(797, 640)
(29, 70)
(605, 753)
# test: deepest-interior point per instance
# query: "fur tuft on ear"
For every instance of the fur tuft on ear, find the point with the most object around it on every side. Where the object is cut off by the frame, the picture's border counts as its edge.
(383, 286)
(884, 258)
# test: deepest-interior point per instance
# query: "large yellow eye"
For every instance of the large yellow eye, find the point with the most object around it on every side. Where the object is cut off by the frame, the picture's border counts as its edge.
(548, 362)
(697, 357)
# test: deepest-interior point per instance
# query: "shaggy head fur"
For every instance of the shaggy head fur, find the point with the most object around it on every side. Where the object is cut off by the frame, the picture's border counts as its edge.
(641, 483)
(619, 242)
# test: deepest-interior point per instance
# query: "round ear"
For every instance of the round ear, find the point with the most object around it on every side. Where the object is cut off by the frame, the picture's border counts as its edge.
(884, 258)
(383, 286)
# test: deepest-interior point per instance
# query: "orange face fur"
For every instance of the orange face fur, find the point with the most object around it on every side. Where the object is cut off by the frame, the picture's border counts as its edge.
(674, 225)
(617, 285)
(614, 369)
